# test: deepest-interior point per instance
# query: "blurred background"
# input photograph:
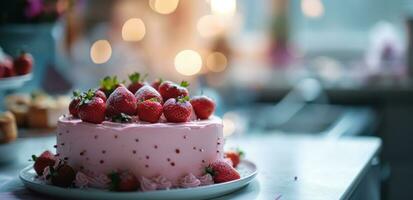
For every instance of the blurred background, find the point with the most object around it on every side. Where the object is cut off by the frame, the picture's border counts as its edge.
(326, 68)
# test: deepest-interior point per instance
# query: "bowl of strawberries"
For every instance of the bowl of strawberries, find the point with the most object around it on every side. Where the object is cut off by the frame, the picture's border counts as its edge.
(15, 71)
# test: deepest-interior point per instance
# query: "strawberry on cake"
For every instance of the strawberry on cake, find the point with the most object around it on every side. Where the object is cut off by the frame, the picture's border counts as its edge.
(141, 137)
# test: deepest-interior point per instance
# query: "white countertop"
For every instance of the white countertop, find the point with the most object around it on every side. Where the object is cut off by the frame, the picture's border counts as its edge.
(324, 168)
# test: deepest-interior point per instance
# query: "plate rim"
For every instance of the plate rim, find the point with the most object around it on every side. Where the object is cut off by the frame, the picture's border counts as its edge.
(236, 185)
(17, 78)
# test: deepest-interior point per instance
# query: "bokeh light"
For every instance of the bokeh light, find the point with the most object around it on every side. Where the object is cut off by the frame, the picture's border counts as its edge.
(133, 30)
(163, 6)
(223, 7)
(100, 51)
(312, 8)
(229, 121)
(210, 26)
(229, 127)
(216, 62)
(188, 62)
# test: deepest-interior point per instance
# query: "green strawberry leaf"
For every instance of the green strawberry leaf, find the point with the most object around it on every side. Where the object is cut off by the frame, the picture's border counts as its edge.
(109, 84)
(184, 84)
(76, 93)
(135, 77)
(122, 118)
(241, 153)
(34, 157)
(153, 99)
(86, 97)
(115, 180)
(183, 99)
(209, 170)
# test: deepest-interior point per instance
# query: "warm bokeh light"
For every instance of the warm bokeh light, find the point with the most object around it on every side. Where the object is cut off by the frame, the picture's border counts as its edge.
(133, 30)
(229, 127)
(312, 8)
(164, 6)
(188, 62)
(223, 7)
(101, 51)
(229, 121)
(210, 26)
(216, 62)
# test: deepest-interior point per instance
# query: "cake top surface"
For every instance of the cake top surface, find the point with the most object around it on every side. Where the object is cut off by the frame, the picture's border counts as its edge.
(213, 120)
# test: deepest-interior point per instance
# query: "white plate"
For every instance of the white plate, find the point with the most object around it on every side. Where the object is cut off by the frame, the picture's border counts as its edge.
(14, 81)
(247, 169)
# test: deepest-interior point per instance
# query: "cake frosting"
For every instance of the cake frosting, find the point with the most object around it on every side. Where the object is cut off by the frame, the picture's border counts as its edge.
(166, 151)
(82, 180)
(206, 180)
(189, 181)
(147, 184)
(162, 183)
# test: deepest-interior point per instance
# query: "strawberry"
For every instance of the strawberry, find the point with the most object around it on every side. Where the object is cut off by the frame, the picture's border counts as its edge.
(123, 181)
(109, 84)
(63, 175)
(203, 106)
(136, 82)
(222, 172)
(234, 156)
(45, 159)
(177, 110)
(229, 161)
(147, 92)
(77, 98)
(74, 104)
(156, 83)
(169, 90)
(121, 101)
(100, 94)
(150, 110)
(6, 67)
(91, 108)
(23, 64)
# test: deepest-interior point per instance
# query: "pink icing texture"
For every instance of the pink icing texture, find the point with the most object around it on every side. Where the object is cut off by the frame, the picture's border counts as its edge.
(189, 181)
(96, 180)
(162, 183)
(82, 180)
(147, 184)
(206, 179)
(170, 150)
(101, 181)
(89, 179)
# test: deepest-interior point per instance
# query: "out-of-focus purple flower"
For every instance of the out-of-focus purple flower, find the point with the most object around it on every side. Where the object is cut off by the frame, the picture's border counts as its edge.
(34, 8)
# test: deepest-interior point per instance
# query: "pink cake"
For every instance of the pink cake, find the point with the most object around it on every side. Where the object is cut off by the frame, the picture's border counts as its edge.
(169, 150)
(138, 138)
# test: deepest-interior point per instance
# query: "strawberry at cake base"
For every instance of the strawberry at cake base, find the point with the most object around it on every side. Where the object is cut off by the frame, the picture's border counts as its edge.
(170, 150)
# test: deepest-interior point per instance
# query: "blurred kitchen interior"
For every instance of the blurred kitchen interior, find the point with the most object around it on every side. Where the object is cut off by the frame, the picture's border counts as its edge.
(328, 68)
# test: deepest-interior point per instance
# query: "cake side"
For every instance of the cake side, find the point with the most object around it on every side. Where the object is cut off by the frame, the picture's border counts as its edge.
(170, 150)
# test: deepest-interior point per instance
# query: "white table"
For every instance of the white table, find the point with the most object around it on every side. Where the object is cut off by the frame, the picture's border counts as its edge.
(290, 167)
